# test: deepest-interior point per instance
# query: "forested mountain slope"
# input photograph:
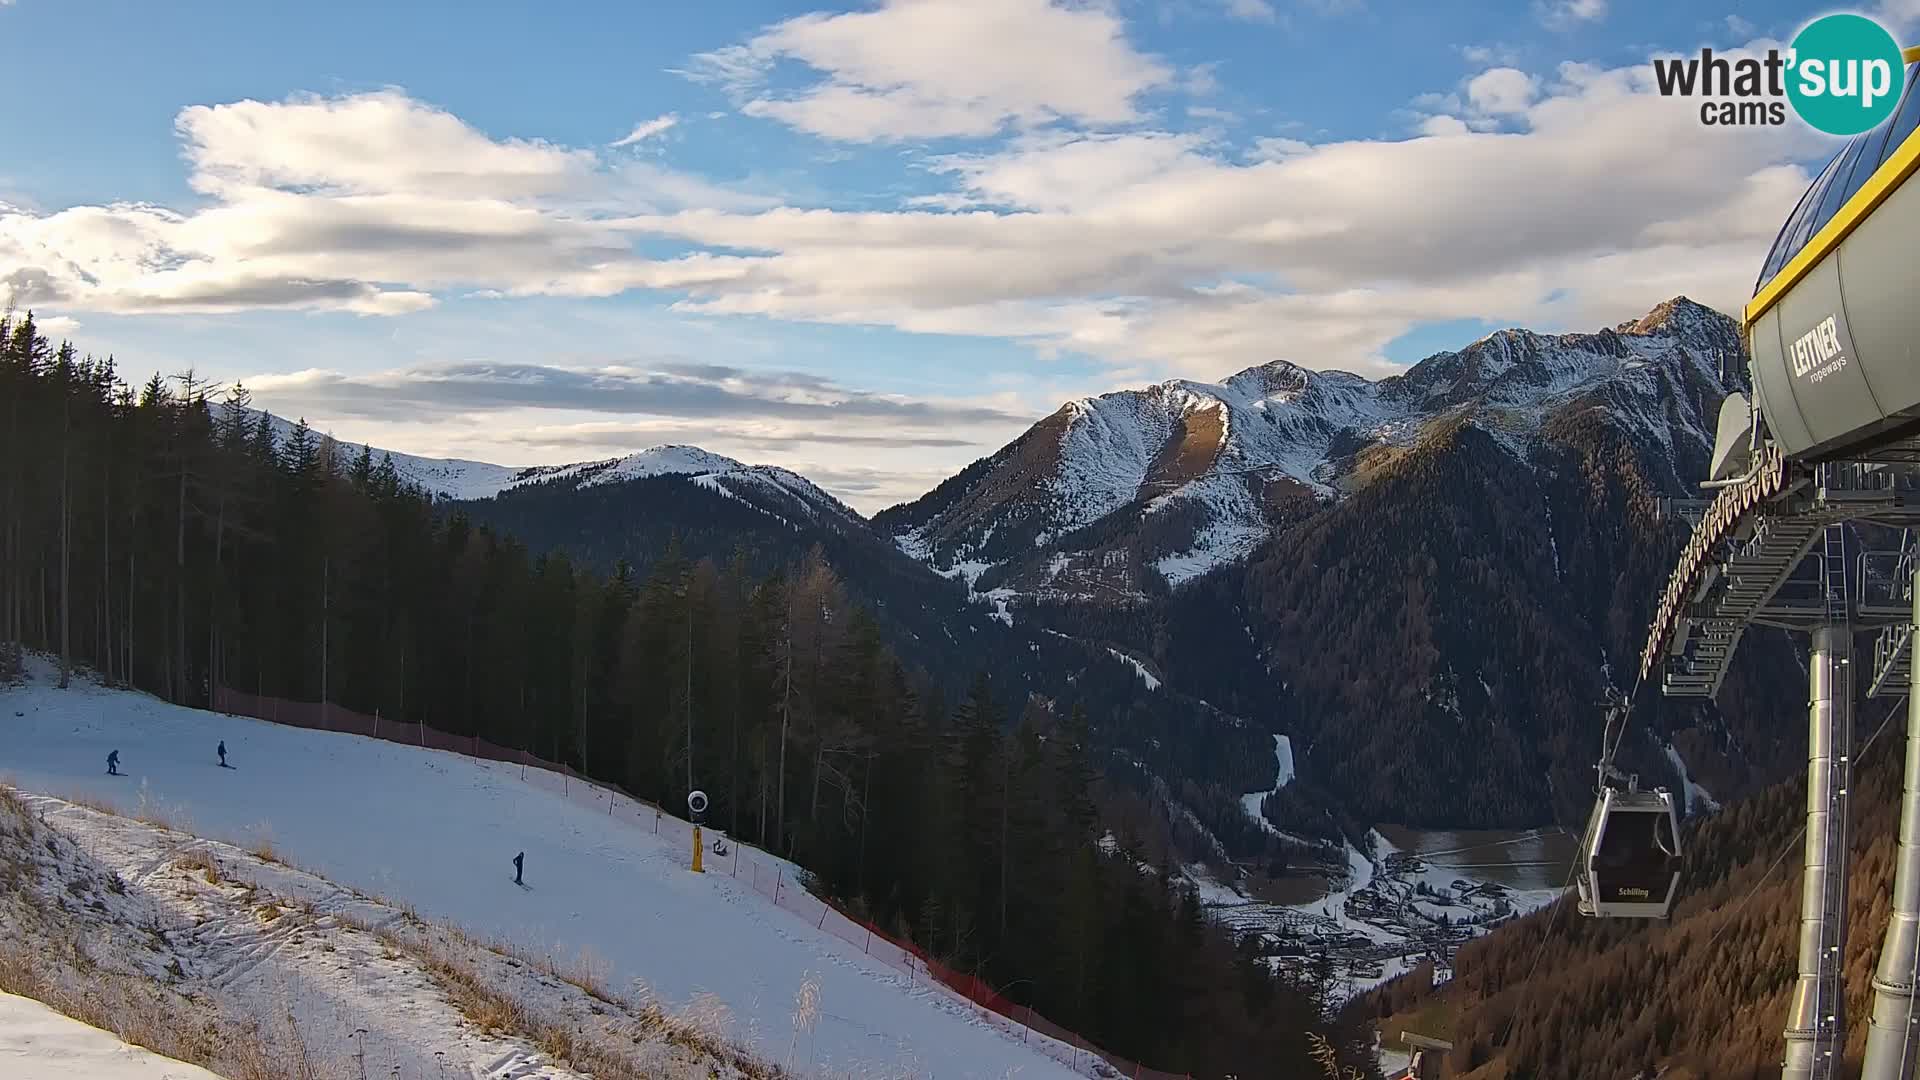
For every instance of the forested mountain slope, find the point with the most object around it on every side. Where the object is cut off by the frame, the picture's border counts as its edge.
(1445, 572)
(1703, 995)
(173, 545)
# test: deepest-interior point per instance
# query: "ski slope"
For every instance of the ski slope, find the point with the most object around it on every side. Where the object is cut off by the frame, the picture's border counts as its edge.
(37, 1043)
(437, 831)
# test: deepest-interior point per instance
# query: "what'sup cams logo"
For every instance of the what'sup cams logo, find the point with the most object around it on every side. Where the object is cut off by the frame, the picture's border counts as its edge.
(1843, 75)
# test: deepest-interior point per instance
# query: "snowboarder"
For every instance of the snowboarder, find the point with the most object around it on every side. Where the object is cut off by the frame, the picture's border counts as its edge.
(113, 763)
(222, 750)
(517, 860)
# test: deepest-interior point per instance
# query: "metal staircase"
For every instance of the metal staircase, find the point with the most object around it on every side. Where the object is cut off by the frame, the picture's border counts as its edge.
(1743, 582)
(1893, 648)
(1735, 595)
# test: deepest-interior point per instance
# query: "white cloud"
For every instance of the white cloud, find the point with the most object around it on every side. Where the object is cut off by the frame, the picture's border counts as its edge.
(647, 129)
(1159, 252)
(1251, 11)
(1566, 14)
(1202, 80)
(1740, 28)
(1502, 91)
(1275, 148)
(516, 413)
(1155, 249)
(1208, 112)
(368, 204)
(926, 69)
(1490, 55)
(1901, 15)
(380, 143)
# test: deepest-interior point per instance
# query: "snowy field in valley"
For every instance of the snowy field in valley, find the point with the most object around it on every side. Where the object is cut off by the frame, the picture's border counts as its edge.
(436, 832)
(1395, 924)
(37, 1043)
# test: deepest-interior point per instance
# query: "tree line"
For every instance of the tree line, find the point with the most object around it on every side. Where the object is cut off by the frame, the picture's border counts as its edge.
(171, 538)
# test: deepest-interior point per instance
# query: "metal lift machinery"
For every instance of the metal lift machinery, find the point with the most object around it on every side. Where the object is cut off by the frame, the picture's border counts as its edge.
(1830, 438)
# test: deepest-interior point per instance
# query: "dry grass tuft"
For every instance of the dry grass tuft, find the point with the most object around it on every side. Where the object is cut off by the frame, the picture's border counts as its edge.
(202, 860)
(46, 957)
(95, 803)
(493, 1011)
(139, 1010)
(1329, 1059)
(12, 804)
(160, 815)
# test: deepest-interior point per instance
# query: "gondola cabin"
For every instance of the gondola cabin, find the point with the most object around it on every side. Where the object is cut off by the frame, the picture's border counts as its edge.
(1630, 858)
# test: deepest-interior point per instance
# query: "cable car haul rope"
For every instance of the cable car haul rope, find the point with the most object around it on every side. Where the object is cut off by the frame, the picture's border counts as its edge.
(1831, 435)
(1628, 865)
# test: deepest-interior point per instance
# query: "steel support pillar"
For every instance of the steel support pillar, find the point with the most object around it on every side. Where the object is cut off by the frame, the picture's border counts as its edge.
(1816, 1019)
(1892, 1045)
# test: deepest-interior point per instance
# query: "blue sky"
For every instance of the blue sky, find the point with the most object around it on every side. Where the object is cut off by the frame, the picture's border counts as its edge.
(945, 216)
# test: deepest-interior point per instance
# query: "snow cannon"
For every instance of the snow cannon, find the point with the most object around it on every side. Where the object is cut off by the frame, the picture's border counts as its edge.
(1833, 328)
(697, 807)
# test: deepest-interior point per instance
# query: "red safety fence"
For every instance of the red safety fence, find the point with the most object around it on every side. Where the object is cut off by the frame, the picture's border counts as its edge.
(771, 877)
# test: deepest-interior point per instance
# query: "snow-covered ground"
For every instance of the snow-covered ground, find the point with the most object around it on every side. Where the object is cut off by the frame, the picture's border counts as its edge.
(1393, 923)
(1139, 669)
(1283, 759)
(436, 831)
(290, 965)
(37, 1043)
(1695, 799)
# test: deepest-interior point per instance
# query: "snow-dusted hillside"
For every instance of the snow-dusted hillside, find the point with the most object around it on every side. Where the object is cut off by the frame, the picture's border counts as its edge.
(457, 478)
(1184, 476)
(437, 831)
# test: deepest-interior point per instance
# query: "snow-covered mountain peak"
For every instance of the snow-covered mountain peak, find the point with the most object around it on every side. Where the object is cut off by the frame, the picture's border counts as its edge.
(1678, 317)
(1191, 474)
(779, 492)
(1277, 379)
(671, 460)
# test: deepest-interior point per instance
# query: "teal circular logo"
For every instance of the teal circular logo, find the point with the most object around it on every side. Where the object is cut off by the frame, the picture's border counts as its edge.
(1845, 74)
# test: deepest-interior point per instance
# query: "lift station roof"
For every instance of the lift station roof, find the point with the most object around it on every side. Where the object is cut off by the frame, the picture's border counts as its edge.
(1834, 327)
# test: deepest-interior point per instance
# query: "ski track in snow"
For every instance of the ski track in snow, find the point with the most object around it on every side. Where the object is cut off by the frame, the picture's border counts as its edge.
(437, 831)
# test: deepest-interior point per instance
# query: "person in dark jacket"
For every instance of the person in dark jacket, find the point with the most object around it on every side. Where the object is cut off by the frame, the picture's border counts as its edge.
(517, 859)
(113, 763)
(222, 750)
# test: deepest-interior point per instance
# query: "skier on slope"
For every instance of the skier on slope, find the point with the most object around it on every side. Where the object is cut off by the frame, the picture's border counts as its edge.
(113, 763)
(517, 860)
(222, 750)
